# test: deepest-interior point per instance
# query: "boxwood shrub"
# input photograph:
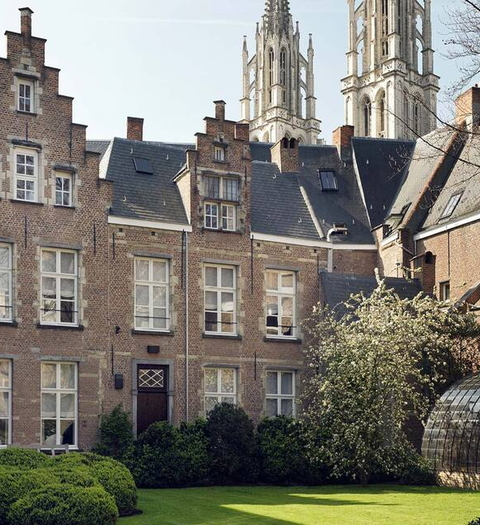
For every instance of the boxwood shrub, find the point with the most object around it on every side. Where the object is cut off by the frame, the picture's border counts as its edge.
(115, 478)
(64, 504)
(23, 458)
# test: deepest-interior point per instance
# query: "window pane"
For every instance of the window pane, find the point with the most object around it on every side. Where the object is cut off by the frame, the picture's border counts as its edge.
(227, 277)
(67, 376)
(142, 295)
(49, 261)
(4, 408)
(286, 407)
(228, 325)
(5, 257)
(160, 318)
(67, 431)
(212, 187)
(211, 322)
(287, 280)
(272, 281)
(67, 289)
(3, 431)
(49, 432)
(272, 409)
(4, 374)
(49, 375)
(159, 272)
(287, 306)
(49, 405)
(160, 296)
(229, 399)
(142, 317)
(67, 263)
(228, 381)
(49, 287)
(272, 383)
(211, 380)
(211, 301)
(67, 406)
(141, 270)
(210, 276)
(67, 309)
(227, 302)
(210, 403)
(287, 384)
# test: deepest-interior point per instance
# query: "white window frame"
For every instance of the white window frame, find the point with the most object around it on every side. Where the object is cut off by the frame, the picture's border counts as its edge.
(219, 153)
(220, 211)
(443, 286)
(152, 284)
(58, 276)
(62, 192)
(219, 290)
(278, 397)
(8, 390)
(58, 391)
(22, 99)
(8, 270)
(24, 177)
(219, 395)
(280, 294)
(212, 221)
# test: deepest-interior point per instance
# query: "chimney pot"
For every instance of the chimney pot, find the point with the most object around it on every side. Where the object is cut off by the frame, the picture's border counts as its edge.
(26, 21)
(285, 154)
(135, 128)
(220, 109)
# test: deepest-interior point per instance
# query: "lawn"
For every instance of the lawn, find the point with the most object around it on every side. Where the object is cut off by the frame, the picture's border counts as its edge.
(336, 505)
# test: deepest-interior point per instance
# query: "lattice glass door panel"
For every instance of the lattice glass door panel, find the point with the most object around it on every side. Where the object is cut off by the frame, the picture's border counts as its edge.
(152, 377)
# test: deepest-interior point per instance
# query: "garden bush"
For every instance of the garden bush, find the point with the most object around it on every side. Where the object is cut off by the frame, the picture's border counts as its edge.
(114, 477)
(166, 456)
(283, 454)
(475, 522)
(17, 483)
(22, 458)
(116, 434)
(232, 446)
(416, 470)
(61, 505)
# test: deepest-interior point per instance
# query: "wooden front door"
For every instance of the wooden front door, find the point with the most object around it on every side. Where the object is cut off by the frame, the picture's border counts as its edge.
(152, 398)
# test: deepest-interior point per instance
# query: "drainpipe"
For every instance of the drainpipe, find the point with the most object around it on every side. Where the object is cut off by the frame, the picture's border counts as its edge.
(186, 327)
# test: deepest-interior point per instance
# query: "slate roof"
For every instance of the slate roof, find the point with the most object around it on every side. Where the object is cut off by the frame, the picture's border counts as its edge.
(337, 288)
(381, 166)
(464, 179)
(98, 146)
(144, 196)
(288, 214)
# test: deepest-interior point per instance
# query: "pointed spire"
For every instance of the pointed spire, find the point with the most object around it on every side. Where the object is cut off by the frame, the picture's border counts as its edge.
(277, 14)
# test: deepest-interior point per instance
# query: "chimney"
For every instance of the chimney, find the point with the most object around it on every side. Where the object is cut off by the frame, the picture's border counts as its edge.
(242, 131)
(468, 107)
(134, 128)
(26, 21)
(220, 109)
(286, 156)
(342, 139)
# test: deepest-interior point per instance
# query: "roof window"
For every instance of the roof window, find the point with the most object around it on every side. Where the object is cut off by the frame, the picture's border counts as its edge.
(143, 165)
(328, 180)
(452, 204)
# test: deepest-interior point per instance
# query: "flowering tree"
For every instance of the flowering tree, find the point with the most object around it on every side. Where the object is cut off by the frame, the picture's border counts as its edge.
(372, 368)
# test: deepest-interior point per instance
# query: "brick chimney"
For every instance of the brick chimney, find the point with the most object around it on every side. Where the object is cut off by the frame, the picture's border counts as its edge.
(242, 131)
(220, 109)
(26, 22)
(468, 107)
(134, 128)
(342, 139)
(286, 156)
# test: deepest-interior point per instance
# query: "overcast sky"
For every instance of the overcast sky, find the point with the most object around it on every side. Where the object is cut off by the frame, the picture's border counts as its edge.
(167, 61)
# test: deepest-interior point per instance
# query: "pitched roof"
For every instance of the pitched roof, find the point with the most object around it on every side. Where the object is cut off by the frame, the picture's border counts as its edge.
(146, 196)
(381, 166)
(338, 288)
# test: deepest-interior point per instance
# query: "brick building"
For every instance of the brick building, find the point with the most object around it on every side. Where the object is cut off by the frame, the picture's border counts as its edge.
(169, 277)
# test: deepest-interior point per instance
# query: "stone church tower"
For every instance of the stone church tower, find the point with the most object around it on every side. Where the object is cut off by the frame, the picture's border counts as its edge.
(391, 89)
(278, 82)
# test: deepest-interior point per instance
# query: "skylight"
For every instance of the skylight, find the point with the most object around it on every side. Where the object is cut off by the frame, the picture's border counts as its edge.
(328, 180)
(143, 165)
(452, 204)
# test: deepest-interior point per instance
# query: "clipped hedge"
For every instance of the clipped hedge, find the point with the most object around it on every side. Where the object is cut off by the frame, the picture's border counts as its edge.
(15, 484)
(114, 477)
(61, 505)
(23, 458)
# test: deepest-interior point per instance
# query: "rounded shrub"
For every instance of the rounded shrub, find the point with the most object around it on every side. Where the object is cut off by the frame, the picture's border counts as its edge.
(17, 483)
(116, 434)
(231, 445)
(23, 458)
(283, 453)
(166, 456)
(114, 477)
(62, 504)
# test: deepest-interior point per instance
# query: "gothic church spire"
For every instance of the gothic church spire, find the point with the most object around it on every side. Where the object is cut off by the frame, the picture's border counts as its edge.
(277, 15)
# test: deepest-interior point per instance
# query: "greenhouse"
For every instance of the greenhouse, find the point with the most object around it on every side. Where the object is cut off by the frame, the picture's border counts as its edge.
(452, 435)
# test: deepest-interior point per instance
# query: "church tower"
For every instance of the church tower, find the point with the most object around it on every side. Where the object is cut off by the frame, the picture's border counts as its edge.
(391, 89)
(278, 83)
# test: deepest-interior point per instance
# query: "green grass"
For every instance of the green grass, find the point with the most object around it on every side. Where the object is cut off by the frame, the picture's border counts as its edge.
(335, 505)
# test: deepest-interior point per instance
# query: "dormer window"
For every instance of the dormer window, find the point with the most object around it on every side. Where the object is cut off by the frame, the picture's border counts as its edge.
(221, 198)
(25, 96)
(219, 154)
(450, 207)
(328, 180)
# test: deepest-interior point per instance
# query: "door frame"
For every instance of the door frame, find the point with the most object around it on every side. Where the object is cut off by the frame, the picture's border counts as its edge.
(171, 386)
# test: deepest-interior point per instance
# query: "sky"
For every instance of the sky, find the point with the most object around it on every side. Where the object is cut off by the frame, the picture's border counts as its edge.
(166, 61)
